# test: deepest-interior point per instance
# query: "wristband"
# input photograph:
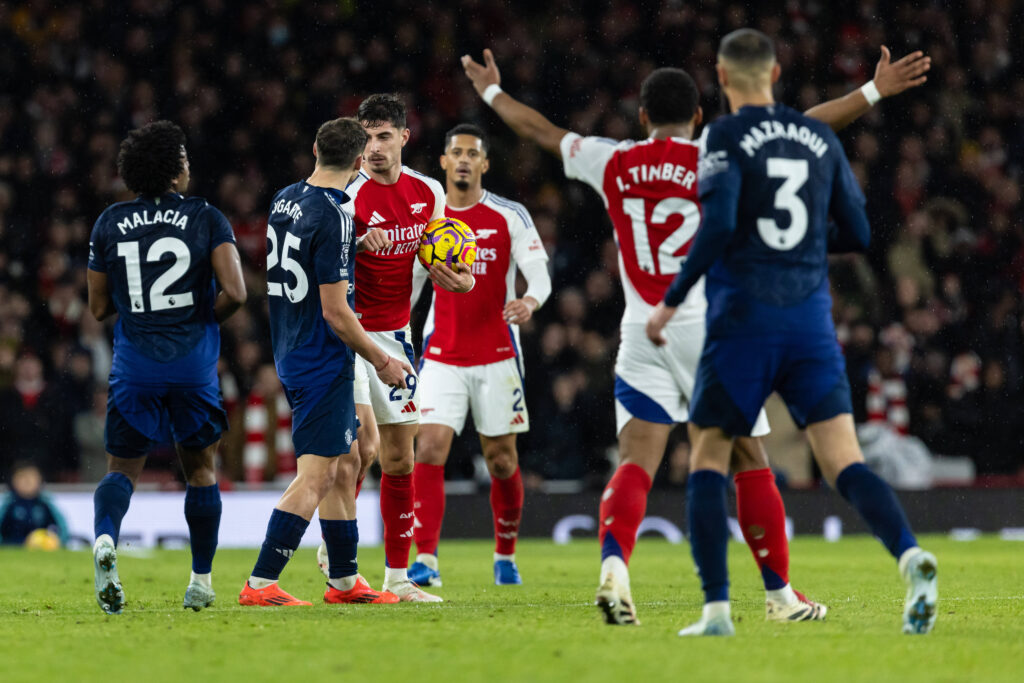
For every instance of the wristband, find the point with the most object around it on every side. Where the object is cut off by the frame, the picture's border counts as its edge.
(490, 92)
(386, 363)
(870, 92)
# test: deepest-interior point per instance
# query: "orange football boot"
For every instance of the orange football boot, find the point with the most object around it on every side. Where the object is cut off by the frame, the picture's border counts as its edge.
(271, 596)
(361, 593)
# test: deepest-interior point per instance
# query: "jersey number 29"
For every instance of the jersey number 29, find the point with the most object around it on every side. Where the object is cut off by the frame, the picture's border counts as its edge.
(159, 299)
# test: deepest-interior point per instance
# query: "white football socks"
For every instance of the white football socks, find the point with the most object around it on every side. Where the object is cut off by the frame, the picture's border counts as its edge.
(499, 556)
(614, 565)
(204, 580)
(713, 610)
(345, 583)
(260, 583)
(428, 559)
(393, 575)
(783, 596)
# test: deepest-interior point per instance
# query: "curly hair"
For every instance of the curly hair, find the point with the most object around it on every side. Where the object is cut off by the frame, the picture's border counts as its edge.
(151, 158)
(669, 95)
(382, 108)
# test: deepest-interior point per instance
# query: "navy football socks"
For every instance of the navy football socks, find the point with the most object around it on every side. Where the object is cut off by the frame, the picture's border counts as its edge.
(707, 517)
(341, 537)
(110, 503)
(202, 512)
(877, 504)
(284, 531)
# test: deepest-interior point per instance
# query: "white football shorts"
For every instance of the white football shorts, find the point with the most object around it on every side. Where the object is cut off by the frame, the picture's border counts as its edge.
(390, 405)
(494, 392)
(655, 383)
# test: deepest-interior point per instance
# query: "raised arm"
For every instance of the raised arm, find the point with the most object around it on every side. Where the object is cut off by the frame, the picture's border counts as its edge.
(525, 121)
(891, 78)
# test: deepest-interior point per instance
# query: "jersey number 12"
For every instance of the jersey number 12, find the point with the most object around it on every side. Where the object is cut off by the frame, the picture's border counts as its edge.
(668, 262)
(159, 299)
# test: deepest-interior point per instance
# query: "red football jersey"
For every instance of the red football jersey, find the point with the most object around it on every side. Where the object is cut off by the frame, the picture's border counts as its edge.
(384, 278)
(650, 191)
(468, 329)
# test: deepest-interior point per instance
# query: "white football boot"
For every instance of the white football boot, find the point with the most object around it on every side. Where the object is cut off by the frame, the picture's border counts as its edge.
(613, 595)
(919, 568)
(407, 591)
(798, 608)
(715, 621)
(109, 593)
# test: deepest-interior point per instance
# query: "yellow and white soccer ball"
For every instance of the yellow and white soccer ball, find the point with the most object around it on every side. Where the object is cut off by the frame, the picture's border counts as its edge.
(448, 241)
(42, 539)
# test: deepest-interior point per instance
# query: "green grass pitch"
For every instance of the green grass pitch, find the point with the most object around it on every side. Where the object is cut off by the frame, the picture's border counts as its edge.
(52, 630)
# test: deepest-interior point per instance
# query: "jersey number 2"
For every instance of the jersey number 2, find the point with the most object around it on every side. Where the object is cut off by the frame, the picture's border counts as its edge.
(301, 288)
(794, 172)
(668, 262)
(159, 300)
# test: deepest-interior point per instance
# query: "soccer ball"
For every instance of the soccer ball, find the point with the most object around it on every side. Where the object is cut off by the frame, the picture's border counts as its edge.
(42, 539)
(448, 241)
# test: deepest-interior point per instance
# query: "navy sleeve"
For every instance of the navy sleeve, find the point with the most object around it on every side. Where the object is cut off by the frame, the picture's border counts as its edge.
(332, 253)
(97, 260)
(719, 180)
(220, 228)
(851, 231)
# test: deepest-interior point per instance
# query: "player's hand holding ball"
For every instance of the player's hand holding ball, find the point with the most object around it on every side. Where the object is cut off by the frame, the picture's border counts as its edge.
(447, 250)
(375, 239)
(393, 371)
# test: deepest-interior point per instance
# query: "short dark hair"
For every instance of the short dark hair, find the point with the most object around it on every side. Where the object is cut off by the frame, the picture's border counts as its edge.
(669, 95)
(151, 158)
(747, 47)
(467, 129)
(382, 108)
(339, 142)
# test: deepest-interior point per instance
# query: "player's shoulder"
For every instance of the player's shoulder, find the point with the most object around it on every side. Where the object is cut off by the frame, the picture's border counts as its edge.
(512, 211)
(414, 175)
(116, 210)
(357, 184)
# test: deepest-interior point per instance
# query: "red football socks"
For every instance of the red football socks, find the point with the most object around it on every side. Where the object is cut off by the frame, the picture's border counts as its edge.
(762, 518)
(623, 505)
(507, 506)
(428, 494)
(396, 510)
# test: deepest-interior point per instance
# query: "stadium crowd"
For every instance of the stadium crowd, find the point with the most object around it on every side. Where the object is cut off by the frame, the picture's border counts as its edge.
(931, 318)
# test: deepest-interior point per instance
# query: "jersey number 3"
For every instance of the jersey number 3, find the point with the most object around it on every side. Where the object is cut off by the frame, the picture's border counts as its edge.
(668, 262)
(159, 300)
(301, 288)
(794, 174)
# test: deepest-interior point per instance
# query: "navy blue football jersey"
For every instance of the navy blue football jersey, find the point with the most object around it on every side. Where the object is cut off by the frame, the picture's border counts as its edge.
(769, 179)
(156, 254)
(310, 242)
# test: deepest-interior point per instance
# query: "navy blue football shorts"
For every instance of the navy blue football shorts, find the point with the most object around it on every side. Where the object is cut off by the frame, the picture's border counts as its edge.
(139, 417)
(323, 417)
(736, 374)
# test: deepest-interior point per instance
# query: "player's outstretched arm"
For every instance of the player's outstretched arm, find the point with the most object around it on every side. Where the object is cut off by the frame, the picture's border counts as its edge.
(227, 266)
(891, 78)
(100, 303)
(342, 319)
(525, 121)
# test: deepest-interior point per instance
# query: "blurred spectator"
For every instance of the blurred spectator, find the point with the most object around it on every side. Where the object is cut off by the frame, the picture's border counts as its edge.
(26, 508)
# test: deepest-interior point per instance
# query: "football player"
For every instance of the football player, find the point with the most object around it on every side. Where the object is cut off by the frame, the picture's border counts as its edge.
(471, 357)
(167, 265)
(400, 202)
(311, 246)
(650, 191)
(770, 180)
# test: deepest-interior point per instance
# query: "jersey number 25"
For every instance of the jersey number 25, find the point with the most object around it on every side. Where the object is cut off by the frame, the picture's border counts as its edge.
(301, 288)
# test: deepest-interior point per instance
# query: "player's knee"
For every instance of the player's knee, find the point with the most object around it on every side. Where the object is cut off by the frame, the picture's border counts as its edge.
(748, 454)
(348, 471)
(502, 459)
(369, 447)
(430, 451)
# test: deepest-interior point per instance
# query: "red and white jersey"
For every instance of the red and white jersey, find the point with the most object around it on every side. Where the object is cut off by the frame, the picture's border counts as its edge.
(650, 191)
(468, 329)
(384, 278)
